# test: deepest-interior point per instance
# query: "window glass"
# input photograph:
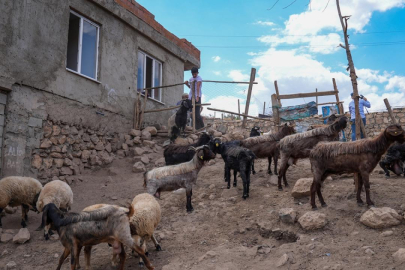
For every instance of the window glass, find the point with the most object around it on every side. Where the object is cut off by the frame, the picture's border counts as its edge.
(149, 75)
(89, 50)
(156, 80)
(73, 42)
(141, 61)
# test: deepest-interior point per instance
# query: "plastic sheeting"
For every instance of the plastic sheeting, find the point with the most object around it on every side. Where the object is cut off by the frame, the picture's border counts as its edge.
(298, 111)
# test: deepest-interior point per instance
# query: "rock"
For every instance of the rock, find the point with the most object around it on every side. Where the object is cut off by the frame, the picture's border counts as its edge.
(217, 134)
(146, 135)
(399, 256)
(59, 162)
(222, 128)
(387, 233)
(181, 141)
(193, 136)
(66, 170)
(121, 153)
(211, 162)
(10, 210)
(47, 162)
(180, 191)
(287, 215)
(138, 151)
(56, 130)
(145, 160)
(22, 236)
(149, 143)
(211, 197)
(125, 147)
(11, 265)
(137, 140)
(138, 167)
(152, 130)
(54, 140)
(45, 144)
(47, 131)
(85, 155)
(36, 162)
(282, 261)
(237, 135)
(312, 220)
(94, 138)
(379, 218)
(99, 146)
(160, 162)
(108, 147)
(212, 186)
(6, 237)
(302, 188)
(135, 133)
(369, 251)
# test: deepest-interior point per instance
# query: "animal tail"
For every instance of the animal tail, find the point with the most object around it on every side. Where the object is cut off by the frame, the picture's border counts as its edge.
(131, 210)
(144, 179)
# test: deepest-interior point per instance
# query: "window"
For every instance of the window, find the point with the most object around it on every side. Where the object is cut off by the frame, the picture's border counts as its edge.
(82, 49)
(149, 75)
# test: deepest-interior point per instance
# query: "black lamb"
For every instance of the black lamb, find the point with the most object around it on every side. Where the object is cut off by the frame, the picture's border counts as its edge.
(394, 160)
(219, 147)
(175, 153)
(255, 131)
(240, 160)
(181, 119)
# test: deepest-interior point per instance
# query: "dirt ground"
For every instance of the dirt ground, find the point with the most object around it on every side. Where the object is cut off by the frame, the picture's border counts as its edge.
(227, 232)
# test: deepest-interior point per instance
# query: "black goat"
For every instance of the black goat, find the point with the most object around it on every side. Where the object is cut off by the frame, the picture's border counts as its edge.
(240, 160)
(394, 160)
(255, 131)
(219, 147)
(181, 118)
(176, 154)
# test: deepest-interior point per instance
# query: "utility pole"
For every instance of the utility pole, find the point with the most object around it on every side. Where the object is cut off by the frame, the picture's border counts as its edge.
(343, 21)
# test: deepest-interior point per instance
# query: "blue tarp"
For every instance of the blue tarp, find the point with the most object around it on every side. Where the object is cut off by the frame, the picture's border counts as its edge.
(297, 112)
(329, 110)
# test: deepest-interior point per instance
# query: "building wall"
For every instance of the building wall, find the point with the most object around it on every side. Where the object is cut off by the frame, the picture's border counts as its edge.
(33, 46)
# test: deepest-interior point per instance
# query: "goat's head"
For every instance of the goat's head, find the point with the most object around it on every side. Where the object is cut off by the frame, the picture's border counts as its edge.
(255, 131)
(395, 133)
(215, 145)
(204, 153)
(287, 129)
(332, 118)
(340, 124)
(51, 216)
(205, 138)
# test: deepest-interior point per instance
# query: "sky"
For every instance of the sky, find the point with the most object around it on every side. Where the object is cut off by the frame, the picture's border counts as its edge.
(293, 42)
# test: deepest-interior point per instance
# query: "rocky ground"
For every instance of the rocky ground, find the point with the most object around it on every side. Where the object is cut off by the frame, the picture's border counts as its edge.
(227, 232)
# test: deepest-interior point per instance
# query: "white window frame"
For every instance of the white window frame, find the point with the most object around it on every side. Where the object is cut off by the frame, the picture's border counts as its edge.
(153, 73)
(79, 56)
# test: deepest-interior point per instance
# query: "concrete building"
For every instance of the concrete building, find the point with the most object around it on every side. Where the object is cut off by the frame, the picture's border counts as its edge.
(78, 64)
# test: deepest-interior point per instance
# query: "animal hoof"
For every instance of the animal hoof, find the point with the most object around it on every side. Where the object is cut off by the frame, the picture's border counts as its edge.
(234, 184)
(23, 224)
(286, 185)
(360, 203)
(141, 265)
(190, 210)
(158, 248)
(46, 237)
(147, 254)
(314, 208)
(324, 205)
(270, 172)
(280, 188)
(276, 173)
(50, 232)
(228, 187)
(225, 180)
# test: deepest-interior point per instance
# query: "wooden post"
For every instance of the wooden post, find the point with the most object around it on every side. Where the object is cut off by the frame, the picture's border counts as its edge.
(277, 93)
(143, 108)
(275, 106)
(387, 104)
(316, 90)
(252, 79)
(352, 70)
(222, 118)
(340, 105)
(193, 89)
(264, 107)
(238, 106)
(135, 113)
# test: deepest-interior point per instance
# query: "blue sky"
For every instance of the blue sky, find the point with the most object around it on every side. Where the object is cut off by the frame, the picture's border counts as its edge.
(295, 45)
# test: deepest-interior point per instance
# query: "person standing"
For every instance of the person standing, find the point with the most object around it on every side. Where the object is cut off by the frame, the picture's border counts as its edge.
(362, 103)
(197, 81)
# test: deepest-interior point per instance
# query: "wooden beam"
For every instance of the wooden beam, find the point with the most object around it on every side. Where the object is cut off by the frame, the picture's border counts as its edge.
(316, 90)
(387, 104)
(162, 86)
(174, 107)
(304, 95)
(249, 95)
(340, 105)
(249, 116)
(143, 108)
(277, 93)
(193, 90)
(230, 82)
(326, 103)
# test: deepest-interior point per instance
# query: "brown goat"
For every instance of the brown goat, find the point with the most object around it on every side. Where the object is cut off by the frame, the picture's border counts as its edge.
(299, 145)
(266, 146)
(359, 157)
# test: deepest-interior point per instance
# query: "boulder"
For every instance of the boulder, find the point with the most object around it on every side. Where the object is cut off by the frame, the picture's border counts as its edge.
(237, 135)
(399, 256)
(152, 130)
(282, 261)
(138, 167)
(222, 128)
(181, 141)
(312, 220)
(302, 188)
(287, 215)
(6, 237)
(149, 143)
(62, 139)
(145, 160)
(22, 236)
(36, 162)
(99, 146)
(108, 147)
(137, 140)
(378, 218)
(138, 151)
(66, 170)
(146, 135)
(135, 133)
(217, 134)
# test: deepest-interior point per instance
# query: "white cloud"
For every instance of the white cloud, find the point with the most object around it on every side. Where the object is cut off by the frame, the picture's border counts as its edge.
(238, 76)
(396, 82)
(265, 23)
(370, 76)
(228, 103)
(216, 58)
(218, 73)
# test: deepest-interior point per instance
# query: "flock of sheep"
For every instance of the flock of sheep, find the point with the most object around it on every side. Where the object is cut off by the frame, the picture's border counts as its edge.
(133, 226)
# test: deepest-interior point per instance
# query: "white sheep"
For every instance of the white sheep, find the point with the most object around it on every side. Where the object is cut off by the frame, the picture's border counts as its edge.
(58, 193)
(143, 222)
(17, 190)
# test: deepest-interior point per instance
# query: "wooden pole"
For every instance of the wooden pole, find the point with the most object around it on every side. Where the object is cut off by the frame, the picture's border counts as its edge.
(316, 90)
(174, 107)
(304, 95)
(340, 105)
(135, 114)
(275, 106)
(254, 117)
(252, 79)
(264, 107)
(277, 93)
(193, 89)
(352, 70)
(238, 106)
(387, 104)
(143, 108)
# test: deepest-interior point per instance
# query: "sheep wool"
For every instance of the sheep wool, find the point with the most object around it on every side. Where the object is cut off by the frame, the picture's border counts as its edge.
(56, 192)
(146, 216)
(17, 190)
